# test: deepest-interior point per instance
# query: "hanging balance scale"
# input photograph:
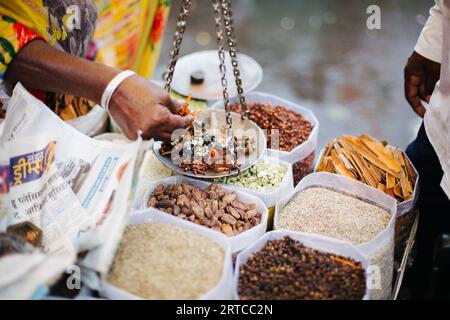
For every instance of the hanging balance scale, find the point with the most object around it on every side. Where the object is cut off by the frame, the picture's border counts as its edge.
(219, 143)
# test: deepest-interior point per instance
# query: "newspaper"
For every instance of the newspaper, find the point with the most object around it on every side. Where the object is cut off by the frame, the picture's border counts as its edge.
(62, 181)
(26, 276)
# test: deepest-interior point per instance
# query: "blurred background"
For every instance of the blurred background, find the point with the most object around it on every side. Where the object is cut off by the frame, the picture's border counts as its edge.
(321, 55)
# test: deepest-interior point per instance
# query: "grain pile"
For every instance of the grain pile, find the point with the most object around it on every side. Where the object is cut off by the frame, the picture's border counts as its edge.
(323, 211)
(162, 261)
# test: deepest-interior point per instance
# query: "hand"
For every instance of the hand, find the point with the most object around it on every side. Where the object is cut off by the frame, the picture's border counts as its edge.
(137, 104)
(421, 76)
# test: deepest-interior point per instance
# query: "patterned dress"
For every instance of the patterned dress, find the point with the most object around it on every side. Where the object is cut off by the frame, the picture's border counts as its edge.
(126, 34)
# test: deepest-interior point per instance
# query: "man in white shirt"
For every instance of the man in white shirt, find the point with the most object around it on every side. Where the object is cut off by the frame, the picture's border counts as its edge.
(427, 80)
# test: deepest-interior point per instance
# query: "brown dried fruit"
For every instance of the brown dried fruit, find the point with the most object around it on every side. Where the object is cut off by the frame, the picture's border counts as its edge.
(250, 214)
(233, 212)
(208, 212)
(213, 207)
(227, 229)
(227, 218)
(239, 205)
(229, 198)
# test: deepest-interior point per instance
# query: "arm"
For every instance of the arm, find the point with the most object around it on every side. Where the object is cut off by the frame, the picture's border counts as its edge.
(136, 104)
(422, 70)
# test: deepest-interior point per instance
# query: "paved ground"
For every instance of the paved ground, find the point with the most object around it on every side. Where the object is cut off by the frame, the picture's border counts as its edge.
(321, 54)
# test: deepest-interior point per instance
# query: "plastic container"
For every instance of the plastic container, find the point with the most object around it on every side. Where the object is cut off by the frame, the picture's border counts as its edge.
(317, 242)
(302, 156)
(93, 123)
(270, 197)
(405, 212)
(223, 288)
(380, 250)
(238, 242)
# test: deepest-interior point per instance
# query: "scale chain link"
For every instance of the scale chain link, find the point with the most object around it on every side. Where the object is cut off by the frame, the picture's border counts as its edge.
(176, 43)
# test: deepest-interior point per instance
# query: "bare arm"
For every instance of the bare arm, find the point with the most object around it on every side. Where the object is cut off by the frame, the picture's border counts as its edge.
(137, 104)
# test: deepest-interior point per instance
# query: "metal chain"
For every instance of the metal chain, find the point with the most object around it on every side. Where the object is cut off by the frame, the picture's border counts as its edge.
(177, 39)
(222, 68)
(231, 41)
(223, 78)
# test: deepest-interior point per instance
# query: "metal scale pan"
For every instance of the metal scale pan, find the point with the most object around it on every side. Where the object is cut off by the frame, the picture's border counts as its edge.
(241, 127)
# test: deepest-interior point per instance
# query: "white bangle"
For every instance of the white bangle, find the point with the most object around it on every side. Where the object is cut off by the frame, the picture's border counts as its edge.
(112, 86)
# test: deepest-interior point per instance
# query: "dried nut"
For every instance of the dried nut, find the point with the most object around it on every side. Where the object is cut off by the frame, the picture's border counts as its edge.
(164, 204)
(208, 212)
(186, 190)
(222, 205)
(227, 218)
(185, 210)
(233, 212)
(205, 222)
(241, 213)
(215, 205)
(161, 197)
(239, 205)
(229, 198)
(196, 195)
(202, 203)
(219, 213)
(198, 212)
(227, 229)
(159, 189)
(152, 202)
(212, 195)
(179, 189)
(214, 221)
(182, 200)
(250, 214)
(251, 206)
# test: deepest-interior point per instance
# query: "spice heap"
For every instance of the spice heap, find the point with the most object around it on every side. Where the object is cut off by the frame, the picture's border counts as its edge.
(293, 128)
(286, 270)
(69, 107)
(330, 213)
(202, 149)
(162, 261)
(264, 175)
(372, 162)
(213, 207)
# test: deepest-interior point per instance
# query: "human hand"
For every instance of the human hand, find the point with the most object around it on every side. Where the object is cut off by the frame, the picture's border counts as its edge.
(421, 76)
(137, 104)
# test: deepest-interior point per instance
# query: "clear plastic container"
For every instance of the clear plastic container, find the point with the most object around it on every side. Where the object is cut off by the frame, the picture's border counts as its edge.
(239, 241)
(316, 242)
(221, 291)
(302, 156)
(380, 250)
